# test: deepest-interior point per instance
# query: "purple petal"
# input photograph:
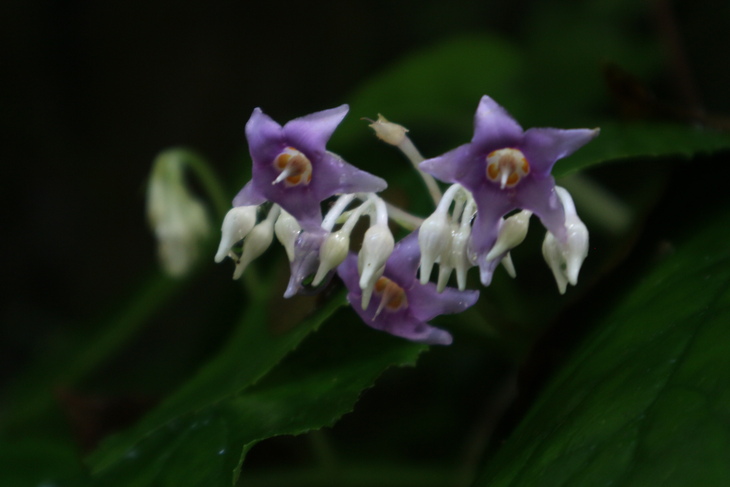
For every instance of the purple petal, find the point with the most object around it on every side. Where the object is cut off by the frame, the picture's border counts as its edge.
(403, 263)
(415, 331)
(306, 259)
(248, 196)
(538, 195)
(544, 146)
(492, 204)
(454, 166)
(486, 269)
(332, 175)
(426, 303)
(348, 272)
(494, 128)
(310, 133)
(399, 323)
(265, 138)
(299, 201)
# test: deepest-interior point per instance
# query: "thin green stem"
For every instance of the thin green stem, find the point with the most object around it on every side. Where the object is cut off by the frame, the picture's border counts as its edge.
(403, 218)
(208, 179)
(413, 155)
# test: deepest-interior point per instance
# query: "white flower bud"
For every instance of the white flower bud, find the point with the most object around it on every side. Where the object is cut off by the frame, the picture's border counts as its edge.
(434, 238)
(377, 245)
(577, 237)
(566, 259)
(237, 223)
(512, 232)
(389, 132)
(577, 248)
(331, 254)
(287, 230)
(257, 241)
(509, 265)
(458, 255)
(552, 253)
(178, 219)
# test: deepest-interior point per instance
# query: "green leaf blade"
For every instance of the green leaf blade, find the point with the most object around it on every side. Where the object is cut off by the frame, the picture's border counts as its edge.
(312, 388)
(644, 402)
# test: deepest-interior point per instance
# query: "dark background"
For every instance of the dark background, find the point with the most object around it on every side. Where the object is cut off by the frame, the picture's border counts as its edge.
(93, 90)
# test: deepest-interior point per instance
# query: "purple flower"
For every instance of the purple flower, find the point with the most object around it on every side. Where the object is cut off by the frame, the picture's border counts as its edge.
(291, 166)
(506, 168)
(401, 305)
(305, 261)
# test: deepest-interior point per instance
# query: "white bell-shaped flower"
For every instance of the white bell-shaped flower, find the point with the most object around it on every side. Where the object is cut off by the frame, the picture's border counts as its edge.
(512, 232)
(257, 241)
(331, 254)
(434, 238)
(179, 220)
(287, 230)
(565, 259)
(377, 245)
(237, 223)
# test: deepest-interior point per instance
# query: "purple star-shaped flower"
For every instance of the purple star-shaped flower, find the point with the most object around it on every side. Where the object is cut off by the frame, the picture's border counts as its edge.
(292, 168)
(400, 304)
(506, 168)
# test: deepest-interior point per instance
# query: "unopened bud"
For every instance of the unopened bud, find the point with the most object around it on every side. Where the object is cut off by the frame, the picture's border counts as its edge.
(389, 132)
(237, 223)
(331, 254)
(512, 232)
(377, 245)
(553, 256)
(257, 241)
(434, 238)
(178, 219)
(566, 259)
(287, 230)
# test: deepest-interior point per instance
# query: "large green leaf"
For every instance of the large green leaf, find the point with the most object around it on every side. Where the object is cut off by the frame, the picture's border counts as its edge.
(312, 388)
(256, 347)
(644, 401)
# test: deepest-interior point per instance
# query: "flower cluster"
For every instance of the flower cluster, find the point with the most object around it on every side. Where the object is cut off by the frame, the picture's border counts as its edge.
(499, 180)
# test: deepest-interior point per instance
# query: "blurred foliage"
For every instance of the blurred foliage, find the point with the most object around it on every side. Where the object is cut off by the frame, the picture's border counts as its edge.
(638, 402)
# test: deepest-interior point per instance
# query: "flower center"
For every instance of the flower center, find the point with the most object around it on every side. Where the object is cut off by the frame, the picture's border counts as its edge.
(393, 297)
(507, 167)
(294, 168)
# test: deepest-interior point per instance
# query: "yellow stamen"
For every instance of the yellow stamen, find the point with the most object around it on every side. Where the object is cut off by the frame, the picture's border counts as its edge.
(393, 297)
(294, 168)
(507, 167)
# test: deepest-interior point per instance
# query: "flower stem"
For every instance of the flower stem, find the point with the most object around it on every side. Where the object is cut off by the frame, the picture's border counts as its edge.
(411, 152)
(208, 179)
(403, 218)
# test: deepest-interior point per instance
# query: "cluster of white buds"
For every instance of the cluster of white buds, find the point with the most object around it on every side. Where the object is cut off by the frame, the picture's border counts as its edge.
(308, 251)
(443, 238)
(240, 224)
(377, 243)
(566, 258)
(178, 219)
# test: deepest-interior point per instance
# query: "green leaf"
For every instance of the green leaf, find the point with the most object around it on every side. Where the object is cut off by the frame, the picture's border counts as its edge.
(39, 462)
(644, 401)
(634, 140)
(258, 345)
(312, 388)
